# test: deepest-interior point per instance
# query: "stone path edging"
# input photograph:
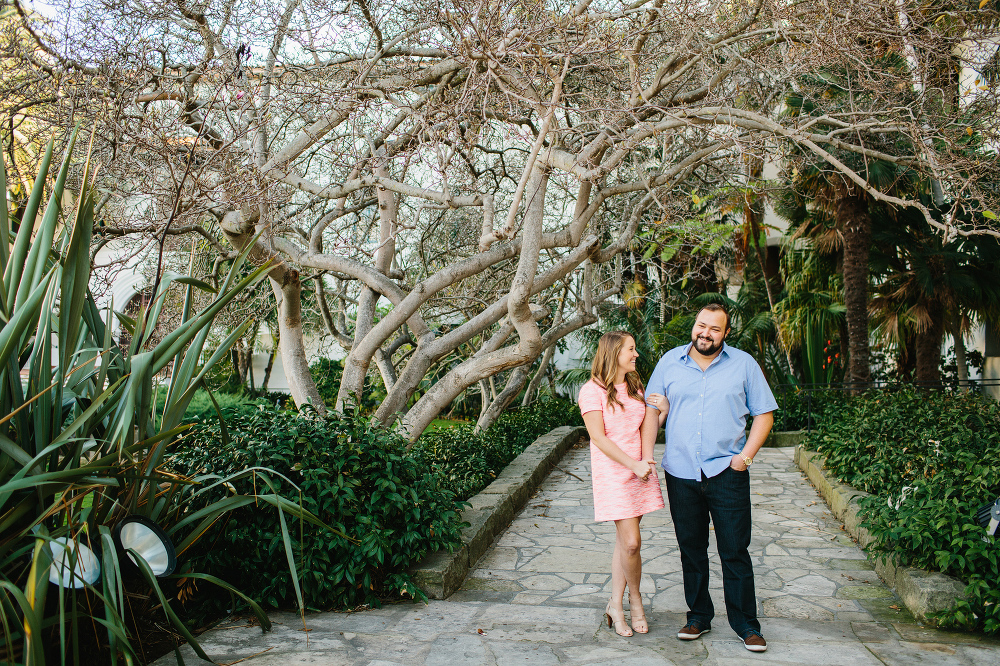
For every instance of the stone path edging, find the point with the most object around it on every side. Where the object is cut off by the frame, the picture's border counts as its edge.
(781, 438)
(923, 592)
(442, 573)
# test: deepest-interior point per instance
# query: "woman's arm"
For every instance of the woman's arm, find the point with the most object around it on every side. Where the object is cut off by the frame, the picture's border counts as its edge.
(647, 431)
(594, 421)
(661, 403)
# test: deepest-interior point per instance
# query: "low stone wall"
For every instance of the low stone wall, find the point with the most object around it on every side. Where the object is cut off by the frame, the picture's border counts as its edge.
(923, 592)
(776, 439)
(442, 573)
(783, 438)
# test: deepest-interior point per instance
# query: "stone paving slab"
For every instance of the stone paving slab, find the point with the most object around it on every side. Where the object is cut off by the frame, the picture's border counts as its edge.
(537, 597)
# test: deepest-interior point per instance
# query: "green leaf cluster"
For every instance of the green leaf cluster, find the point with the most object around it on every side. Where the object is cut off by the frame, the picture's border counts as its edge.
(799, 409)
(80, 445)
(389, 509)
(930, 460)
(468, 461)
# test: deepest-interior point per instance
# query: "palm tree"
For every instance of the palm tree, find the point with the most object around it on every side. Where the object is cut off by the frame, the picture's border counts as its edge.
(846, 202)
(932, 286)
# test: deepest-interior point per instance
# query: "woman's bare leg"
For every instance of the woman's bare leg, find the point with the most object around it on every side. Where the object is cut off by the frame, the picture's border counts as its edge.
(630, 544)
(626, 564)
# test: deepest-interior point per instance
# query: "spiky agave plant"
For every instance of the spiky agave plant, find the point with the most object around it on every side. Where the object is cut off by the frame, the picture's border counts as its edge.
(79, 447)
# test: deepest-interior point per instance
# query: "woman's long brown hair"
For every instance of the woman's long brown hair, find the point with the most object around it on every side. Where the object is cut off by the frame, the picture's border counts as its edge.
(605, 367)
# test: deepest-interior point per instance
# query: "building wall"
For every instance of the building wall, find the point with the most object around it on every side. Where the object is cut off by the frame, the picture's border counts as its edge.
(991, 350)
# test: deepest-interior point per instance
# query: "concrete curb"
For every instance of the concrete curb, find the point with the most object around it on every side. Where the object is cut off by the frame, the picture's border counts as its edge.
(783, 438)
(442, 573)
(923, 592)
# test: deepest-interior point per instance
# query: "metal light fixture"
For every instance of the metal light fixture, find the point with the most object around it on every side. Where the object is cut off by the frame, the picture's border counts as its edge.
(73, 564)
(989, 517)
(151, 543)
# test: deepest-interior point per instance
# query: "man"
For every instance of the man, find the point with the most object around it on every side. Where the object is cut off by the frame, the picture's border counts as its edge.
(710, 388)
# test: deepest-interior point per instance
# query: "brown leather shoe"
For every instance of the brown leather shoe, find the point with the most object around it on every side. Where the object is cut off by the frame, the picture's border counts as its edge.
(754, 642)
(691, 631)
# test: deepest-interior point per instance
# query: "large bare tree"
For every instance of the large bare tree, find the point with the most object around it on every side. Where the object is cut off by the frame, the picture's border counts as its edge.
(454, 181)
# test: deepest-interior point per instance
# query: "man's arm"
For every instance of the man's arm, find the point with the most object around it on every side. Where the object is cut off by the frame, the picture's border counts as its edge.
(758, 433)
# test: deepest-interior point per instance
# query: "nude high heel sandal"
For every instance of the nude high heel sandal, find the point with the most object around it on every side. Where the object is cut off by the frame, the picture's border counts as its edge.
(624, 629)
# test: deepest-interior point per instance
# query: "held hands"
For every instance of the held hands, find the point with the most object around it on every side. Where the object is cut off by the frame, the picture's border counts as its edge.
(643, 468)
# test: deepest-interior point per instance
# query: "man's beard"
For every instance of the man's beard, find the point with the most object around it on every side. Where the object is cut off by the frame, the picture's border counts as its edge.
(705, 351)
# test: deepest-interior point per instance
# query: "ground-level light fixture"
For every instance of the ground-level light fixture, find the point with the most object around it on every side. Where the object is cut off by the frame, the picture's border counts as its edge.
(73, 564)
(989, 517)
(151, 543)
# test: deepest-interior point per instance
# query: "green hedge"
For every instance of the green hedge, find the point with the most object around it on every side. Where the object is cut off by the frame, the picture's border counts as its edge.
(930, 459)
(355, 476)
(468, 461)
(796, 407)
(359, 479)
(201, 408)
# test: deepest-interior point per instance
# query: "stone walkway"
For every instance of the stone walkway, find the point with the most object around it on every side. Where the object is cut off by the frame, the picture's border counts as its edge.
(537, 597)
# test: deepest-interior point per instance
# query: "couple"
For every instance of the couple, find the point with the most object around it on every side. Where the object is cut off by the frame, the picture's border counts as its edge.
(703, 392)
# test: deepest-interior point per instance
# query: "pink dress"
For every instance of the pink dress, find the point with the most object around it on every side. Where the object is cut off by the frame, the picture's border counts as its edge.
(618, 493)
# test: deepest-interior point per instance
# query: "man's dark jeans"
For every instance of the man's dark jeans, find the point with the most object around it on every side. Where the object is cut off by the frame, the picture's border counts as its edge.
(726, 497)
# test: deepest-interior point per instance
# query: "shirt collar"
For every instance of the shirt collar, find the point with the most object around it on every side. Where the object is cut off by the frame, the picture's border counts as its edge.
(686, 357)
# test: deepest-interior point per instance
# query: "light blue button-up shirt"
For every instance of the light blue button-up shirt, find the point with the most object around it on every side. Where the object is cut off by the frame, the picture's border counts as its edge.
(707, 418)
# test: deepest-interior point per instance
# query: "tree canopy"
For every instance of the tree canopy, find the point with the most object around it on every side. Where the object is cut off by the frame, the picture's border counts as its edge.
(481, 167)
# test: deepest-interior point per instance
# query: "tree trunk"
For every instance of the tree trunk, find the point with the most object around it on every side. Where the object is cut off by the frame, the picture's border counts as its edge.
(852, 217)
(961, 362)
(275, 338)
(550, 351)
(267, 369)
(356, 364)
(928, 371)
(484, 392)
(239, 228)
(519, 313)
(514, 383)
(288, 292)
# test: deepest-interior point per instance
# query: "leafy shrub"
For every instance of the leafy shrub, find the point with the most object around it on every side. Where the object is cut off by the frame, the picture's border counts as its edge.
(353, 475)
(799, 409)
(930, 459)
(81, 449)
(327, 372)
(468, 461)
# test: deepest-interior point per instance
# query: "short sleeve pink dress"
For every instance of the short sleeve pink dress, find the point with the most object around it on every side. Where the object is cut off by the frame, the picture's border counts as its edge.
(618, 493)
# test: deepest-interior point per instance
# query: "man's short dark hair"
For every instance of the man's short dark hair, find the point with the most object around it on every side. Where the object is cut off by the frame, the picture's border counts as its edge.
(716, 307)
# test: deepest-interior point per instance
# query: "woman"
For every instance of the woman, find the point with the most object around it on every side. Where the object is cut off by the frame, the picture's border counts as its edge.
(625, 484)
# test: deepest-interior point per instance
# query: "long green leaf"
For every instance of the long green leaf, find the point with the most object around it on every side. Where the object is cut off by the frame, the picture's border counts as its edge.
(22, 242)
(114, 589)
(265, 621)
(194, 282)
(43, 415)
(11, 334)
(41, 246)
(35, 592)
(167, 609)
(31, 625)
(76, 269)
(174, 410)
(175, 341)
(4, 225)
(94, 408)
